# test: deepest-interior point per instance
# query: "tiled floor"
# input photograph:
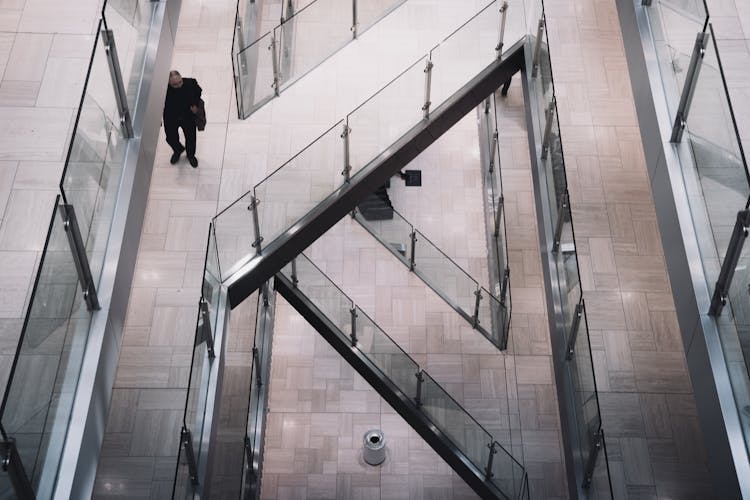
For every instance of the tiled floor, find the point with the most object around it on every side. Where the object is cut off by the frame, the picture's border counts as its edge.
(649, 417)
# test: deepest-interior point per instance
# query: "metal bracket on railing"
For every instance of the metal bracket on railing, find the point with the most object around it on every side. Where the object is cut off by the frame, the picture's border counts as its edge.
(688, 90)
(249, 456)
(420, 381)
(493, 151)
(186, 439)
(347, 164)
(504, 286)
(503, 13)
(275, 61)
(413, 249)
(427, 86)
(488, 470)
(353, 336)
(498, 215)
(734, 251)
(12, 465)
(646, 3)
(537, 48)
(265, 293)
(78, 249)
(354, 19)
(595, 447)
(256, 360)
(487, 103)
(560, 221)
(206, 334)
(253, 207)
(295, 280)
(475, 319)
(121, 96)
(549, 118)
(573, 334)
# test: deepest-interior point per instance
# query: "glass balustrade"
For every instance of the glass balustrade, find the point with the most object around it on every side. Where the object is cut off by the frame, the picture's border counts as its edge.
(395, 365)
(267, 57)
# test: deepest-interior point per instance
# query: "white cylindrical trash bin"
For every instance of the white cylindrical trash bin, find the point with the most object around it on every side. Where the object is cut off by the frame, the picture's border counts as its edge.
(374, 447)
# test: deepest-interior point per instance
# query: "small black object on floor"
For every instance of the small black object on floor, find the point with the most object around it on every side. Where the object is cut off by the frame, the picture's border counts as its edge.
(412, 177)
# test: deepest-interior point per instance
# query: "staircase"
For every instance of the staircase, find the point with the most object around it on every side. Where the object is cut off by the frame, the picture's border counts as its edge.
(377, 205)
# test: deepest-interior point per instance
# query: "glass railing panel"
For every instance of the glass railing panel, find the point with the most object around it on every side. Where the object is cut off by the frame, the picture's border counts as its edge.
(453, 420)
(508, 474)
(253, 73)
(444, 276)
(370, 12)
(234, 236)
(600, 486)
(716, 150)
(395, 233)
(674, 31)
(39, 396)
(465, 53)
(323, 293)
(386, 116)
(130, 22)
(312, 34)
(494, 318)
(299, 185)
(390, 359)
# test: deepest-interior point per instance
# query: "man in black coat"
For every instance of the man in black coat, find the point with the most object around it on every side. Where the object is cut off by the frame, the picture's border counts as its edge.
(180, 106)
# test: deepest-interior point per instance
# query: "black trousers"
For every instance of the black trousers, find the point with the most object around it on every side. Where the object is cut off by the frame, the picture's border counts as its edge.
(173, 138)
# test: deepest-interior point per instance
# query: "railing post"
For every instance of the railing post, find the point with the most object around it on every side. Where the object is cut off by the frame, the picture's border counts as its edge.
(427, 86)
(12, 465)
(256, 360)
(478, 294)
(413, 249)
(549, 118)
(493, 151)
(537, 48)
(121, 96)
(253, 207)
(488, 470)
(295, 280)
(560, 222)
(595, 447)
(206, 333)
(354, 19)
(420, 380)
(691, 79)
(504, 286)
(573, 334)
(80, 259)
(734, 251)
(353, 312)
(498, 215)
(186, 439)
(503, 13)
(275, 62)
(347, 164)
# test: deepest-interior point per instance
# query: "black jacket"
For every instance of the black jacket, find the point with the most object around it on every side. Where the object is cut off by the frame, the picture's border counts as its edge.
(178, 101)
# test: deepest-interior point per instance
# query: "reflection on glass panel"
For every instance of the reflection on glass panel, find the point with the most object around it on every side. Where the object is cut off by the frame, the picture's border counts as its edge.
(493, 318)
(254, 78)
(464, 54)
(394, 233)
(455, 422)
(323, 293)
(392, 361)
(444, 275)
(311, 35)
(387, 116)
(300, 184)
(370, 12)
(40, 394)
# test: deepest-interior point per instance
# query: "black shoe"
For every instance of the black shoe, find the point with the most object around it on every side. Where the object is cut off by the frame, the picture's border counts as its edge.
(193, 161)
(176, 156)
